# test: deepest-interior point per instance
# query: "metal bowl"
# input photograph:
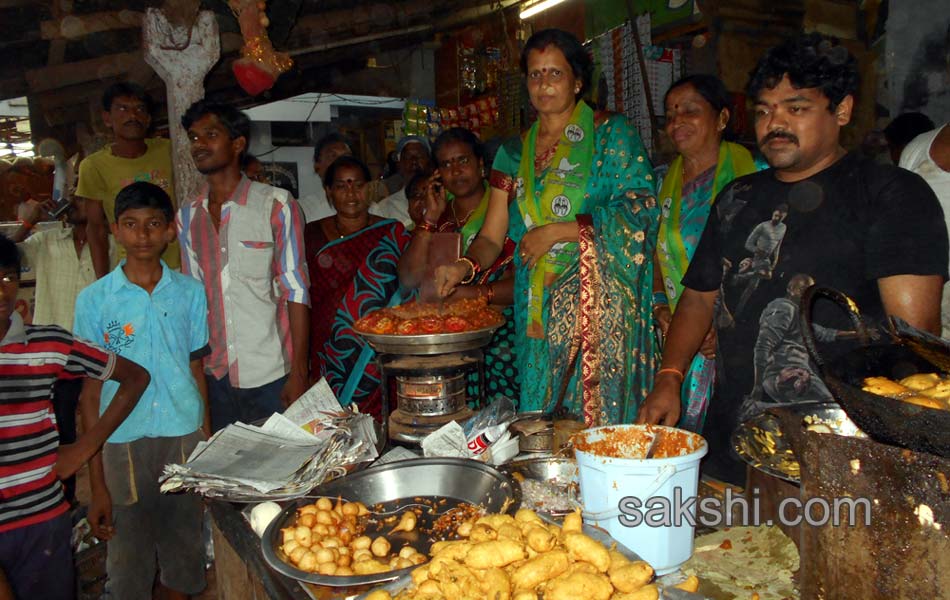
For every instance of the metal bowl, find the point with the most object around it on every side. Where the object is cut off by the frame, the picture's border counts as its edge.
(433, 343)
(458, 479)
(558, 473)
(763, 443)
(561, 471)
(530, 437)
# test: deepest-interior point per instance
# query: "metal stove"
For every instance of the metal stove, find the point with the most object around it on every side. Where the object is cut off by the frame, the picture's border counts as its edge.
(430, 391)
(430, 373)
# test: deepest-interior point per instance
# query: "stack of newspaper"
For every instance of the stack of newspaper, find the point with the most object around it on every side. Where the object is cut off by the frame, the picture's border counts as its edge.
(285, 457)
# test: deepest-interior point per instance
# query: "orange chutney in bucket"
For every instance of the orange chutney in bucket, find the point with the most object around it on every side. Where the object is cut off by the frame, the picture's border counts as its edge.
(633, 443)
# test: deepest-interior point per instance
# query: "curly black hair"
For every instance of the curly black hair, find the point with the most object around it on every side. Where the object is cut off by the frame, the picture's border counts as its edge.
(811, 60)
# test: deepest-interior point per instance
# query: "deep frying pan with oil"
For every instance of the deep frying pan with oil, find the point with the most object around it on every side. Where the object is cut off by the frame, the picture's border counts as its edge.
(900, 353)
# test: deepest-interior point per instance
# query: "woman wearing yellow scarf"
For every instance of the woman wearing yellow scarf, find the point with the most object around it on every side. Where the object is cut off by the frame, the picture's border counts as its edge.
(697, 116)
(576, 194)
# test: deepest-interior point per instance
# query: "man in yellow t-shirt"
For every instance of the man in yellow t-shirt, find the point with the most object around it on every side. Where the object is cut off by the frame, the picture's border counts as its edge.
(131, 157)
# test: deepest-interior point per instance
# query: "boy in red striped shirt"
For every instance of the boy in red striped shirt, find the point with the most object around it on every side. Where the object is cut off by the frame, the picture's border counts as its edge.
(35, 528)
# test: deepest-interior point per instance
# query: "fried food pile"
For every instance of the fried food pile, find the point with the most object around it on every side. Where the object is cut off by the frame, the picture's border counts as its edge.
(524, 558)
(930, 390)
(328, 540)
(415, 318)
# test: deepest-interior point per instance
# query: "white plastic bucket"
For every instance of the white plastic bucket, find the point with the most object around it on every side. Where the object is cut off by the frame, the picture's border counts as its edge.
(606, 480)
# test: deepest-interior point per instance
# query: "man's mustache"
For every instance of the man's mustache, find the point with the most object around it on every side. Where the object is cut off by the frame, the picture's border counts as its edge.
(777, 135)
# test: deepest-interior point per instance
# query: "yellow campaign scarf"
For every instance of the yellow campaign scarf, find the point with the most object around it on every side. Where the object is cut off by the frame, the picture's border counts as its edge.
(734, 161)
(559, 199)
(475, 221)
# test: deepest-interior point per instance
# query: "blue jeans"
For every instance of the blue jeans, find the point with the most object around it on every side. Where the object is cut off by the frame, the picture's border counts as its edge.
(38, 560)
(230, 404)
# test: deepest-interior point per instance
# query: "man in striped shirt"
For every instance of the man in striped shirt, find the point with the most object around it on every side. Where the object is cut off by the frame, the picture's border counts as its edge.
(35, 527)
(244, 241)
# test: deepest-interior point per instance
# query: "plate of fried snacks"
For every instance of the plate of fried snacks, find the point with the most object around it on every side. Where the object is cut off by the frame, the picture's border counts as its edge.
(417, 328)
(375, 525)
(524, 556)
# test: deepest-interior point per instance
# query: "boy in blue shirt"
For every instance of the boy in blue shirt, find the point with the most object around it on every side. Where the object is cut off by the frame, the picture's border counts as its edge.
(156, 317)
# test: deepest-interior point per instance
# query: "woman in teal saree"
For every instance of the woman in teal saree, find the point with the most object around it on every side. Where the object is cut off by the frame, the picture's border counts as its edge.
(697, 116)
(585, 220)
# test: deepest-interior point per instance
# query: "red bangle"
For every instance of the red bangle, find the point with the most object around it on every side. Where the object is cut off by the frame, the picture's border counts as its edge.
(676, 372)
(490, 294)
(26, 224)
(427, 226)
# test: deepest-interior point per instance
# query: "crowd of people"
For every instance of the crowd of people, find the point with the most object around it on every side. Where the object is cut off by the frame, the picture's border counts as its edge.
(628, 297)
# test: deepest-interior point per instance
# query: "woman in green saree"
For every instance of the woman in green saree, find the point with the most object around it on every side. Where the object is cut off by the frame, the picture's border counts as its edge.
(456, 200)
(697, 116)
(584, 217)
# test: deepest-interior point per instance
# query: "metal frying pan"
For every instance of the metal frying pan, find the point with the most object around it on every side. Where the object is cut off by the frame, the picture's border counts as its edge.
(886, 420)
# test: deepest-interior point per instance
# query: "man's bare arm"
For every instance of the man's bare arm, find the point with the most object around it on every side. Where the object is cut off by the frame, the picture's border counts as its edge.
(913, 298)
(298, 378)
(691, 322)
(133, 380)
(97, 234)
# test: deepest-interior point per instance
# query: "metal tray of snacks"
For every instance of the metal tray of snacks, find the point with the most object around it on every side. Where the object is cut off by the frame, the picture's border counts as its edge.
(765, 444)
(665, 583)
(437, 486)
(431, 343)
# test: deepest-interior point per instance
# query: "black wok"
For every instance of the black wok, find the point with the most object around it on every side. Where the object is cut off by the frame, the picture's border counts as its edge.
(903, 351)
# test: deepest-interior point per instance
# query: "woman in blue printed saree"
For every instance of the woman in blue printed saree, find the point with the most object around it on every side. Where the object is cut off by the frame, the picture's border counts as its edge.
(585, 221)
(352, 257)
(697, 115)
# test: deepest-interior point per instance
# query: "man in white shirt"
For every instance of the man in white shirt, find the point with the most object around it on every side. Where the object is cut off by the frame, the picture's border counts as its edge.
(315, 205)
(62, 263)
(414, 158)
(928, 155)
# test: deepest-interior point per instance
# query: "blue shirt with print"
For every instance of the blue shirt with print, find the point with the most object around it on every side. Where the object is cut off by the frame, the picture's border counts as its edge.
(162, 331)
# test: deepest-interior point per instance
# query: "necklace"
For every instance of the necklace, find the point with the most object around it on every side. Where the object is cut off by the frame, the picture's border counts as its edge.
(339, 230)
(461, 223)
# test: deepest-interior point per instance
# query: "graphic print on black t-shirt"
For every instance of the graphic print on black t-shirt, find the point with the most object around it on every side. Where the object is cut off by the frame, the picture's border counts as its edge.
(767, 241)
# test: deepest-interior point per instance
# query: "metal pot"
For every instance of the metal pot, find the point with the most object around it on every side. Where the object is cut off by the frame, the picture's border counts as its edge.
(535, 434)
(432, 395)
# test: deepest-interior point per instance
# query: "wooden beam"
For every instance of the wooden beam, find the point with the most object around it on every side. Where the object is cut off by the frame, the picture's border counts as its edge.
(76, 26)
(103, 67)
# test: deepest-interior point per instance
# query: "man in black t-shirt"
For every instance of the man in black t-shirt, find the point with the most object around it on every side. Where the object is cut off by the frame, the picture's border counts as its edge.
(819, 215)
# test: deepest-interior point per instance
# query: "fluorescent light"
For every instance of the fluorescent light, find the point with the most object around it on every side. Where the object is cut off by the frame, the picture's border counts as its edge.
(537, 7)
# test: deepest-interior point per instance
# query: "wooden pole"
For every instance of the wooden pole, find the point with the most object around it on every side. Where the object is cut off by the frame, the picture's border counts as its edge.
(181, 57)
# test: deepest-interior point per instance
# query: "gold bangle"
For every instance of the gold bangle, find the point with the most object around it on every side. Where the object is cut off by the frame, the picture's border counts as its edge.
(676, 372)
(490, 294)
(474, 266)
